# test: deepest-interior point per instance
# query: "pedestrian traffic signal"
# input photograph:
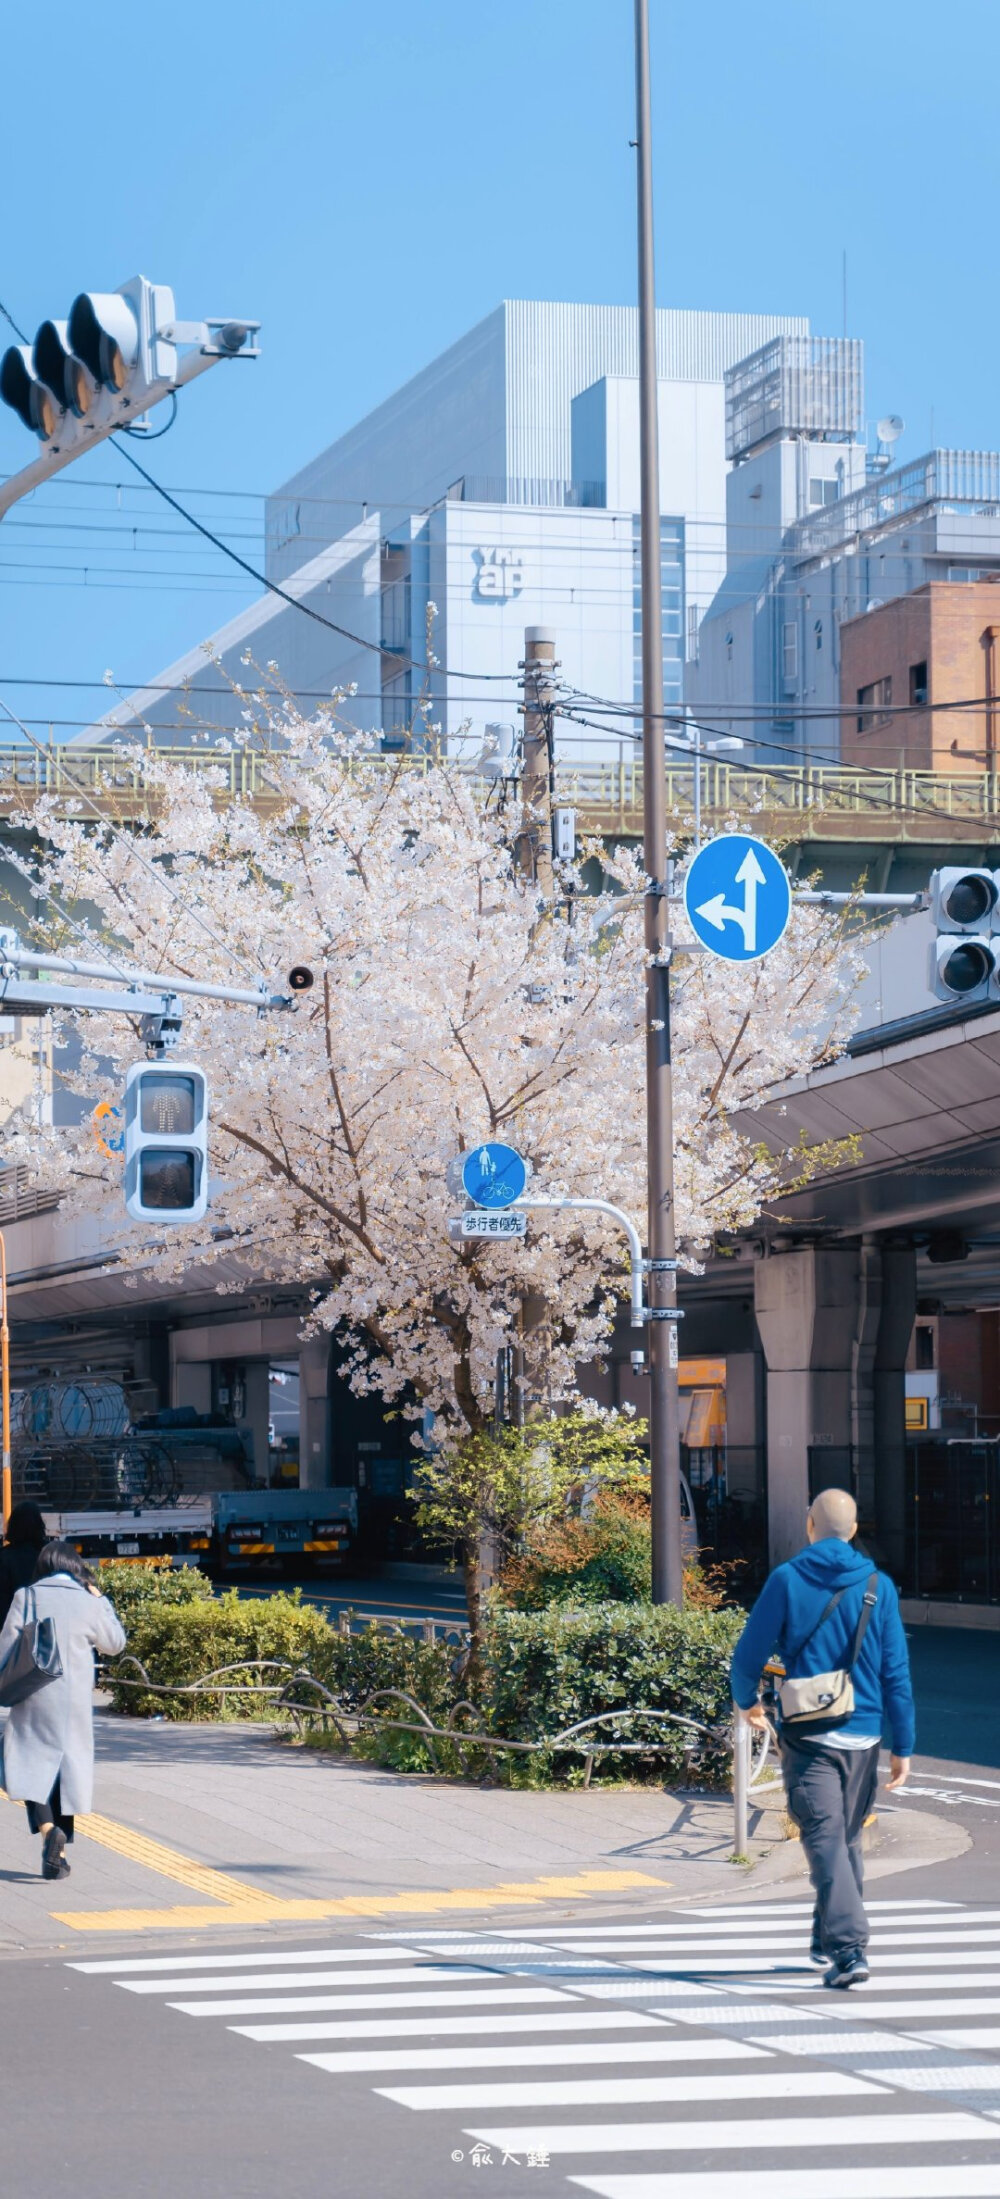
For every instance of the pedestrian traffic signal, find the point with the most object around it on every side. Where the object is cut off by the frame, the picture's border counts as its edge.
(966, 968)
(965, 955)
(166, 1142)
(965, 900)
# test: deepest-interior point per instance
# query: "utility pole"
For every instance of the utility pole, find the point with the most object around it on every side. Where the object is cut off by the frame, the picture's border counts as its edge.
(664, 1442)
(535, 837)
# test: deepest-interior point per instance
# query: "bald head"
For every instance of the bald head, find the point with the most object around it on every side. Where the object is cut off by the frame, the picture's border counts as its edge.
(834, 1512)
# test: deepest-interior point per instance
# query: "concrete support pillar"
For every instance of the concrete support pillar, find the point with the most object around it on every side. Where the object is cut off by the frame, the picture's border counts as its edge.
(314, 1413)
(899, 1306)
(806, 1302)
(257, 1415)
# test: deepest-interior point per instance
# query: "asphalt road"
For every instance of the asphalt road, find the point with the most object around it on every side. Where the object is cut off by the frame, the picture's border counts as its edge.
(652, 2053)
(723, 2072)
(439, 1595)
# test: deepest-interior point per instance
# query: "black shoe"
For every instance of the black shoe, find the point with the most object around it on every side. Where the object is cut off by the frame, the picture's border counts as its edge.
(54, 1864)
(816, 1948)
(848, 1970)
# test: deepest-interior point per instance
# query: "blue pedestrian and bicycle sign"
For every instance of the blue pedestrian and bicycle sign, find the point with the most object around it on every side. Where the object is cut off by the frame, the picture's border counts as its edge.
(494, 1175)
(738, 897)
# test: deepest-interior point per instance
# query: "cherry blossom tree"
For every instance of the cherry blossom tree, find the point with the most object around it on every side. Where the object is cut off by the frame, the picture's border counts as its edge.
(449, 1006)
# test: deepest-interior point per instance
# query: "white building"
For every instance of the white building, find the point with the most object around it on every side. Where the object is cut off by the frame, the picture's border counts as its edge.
(819, 530)
(501, 485)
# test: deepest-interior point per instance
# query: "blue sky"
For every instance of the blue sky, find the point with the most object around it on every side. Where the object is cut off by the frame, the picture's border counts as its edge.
(369, 181)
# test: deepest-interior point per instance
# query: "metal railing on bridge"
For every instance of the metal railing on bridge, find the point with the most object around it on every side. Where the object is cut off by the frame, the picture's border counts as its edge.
(790, 802)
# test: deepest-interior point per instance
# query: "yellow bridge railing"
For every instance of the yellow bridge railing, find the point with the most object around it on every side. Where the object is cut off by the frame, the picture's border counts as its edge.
(789, 801)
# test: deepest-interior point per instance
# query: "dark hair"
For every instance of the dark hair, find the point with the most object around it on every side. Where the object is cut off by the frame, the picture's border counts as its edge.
(60, 1557)
(26, 1524)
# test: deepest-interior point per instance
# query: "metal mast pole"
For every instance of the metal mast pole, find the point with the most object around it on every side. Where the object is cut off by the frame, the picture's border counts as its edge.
(664, 1449)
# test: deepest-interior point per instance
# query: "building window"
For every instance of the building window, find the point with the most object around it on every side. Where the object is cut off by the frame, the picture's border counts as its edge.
(823, 492)
(694, 621)
(918, 683)
(874, 704)
(789, 651)
(818, 632)
(672, 610)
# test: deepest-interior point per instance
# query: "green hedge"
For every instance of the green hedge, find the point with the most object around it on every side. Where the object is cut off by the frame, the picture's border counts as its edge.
(548, 1669)
(542, 1671)
(179, 1630)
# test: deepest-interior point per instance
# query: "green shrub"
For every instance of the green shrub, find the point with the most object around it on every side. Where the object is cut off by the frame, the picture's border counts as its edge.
(136, 1589)
(546, 1670)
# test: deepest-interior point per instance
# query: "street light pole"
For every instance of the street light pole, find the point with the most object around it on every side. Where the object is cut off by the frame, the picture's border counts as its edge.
(664, 1439)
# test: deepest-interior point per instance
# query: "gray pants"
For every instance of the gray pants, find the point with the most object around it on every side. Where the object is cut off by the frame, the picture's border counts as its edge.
(829, 1793)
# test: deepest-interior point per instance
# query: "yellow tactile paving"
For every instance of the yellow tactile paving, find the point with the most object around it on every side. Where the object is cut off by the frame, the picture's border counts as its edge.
(166, 1861)
(243, 1905)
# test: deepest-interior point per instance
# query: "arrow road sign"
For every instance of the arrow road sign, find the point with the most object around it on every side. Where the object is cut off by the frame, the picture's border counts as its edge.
(738, 897)
(494, 1175)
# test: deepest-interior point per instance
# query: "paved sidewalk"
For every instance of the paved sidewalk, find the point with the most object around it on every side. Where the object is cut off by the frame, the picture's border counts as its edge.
(199, 1828)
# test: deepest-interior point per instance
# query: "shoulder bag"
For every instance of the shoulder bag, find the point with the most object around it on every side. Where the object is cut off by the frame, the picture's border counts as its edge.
(33, 1659)
(822, 1698)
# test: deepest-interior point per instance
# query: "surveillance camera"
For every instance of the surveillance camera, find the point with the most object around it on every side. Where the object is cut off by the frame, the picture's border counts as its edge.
(638, 1359)
(300, 979)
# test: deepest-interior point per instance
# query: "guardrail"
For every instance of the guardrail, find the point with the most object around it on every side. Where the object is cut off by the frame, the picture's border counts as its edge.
(306, 1699)
(790, 801)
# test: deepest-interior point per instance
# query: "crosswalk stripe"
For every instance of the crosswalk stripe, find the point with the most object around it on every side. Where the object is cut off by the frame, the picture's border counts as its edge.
(939, 2077)
(881, 1987)
(271, 1981)
(538, 2054)
(473, 2099)
(292, 2004)
(971, 2180)
(762, 2133)
(883, 2010)
(679, 1944)
(432, 2027)
(781, 1908)
(172, 1964)
(988, 2035)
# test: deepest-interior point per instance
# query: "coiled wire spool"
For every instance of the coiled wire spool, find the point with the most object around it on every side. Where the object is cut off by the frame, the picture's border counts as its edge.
(70, 1410)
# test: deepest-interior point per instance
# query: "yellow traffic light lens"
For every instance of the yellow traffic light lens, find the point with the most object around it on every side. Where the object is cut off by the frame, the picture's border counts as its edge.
(81, 389)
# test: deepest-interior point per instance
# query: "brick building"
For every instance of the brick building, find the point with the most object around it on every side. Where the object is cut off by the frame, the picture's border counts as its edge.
(939, 645)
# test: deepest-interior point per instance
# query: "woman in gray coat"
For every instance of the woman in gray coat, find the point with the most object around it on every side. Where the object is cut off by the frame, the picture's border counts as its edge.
(48, 1741)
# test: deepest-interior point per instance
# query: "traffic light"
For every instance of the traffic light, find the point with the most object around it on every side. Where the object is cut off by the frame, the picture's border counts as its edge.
(166, 1142)
(104, 365)
(965, 955)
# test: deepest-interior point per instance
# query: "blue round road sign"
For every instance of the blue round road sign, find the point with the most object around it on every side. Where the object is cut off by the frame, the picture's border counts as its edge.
(738, 898)
(494, 1175)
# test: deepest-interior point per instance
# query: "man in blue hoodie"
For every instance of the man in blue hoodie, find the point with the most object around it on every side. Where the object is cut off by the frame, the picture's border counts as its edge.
(809, 1613)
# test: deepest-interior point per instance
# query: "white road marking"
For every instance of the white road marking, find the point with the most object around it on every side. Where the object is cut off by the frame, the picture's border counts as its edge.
(958, 2181)
(537, 2053)
(270, 1981)
(791, 2084)
(298, 2002)
(432, 2027)
(811, 2133)
(171, 1963)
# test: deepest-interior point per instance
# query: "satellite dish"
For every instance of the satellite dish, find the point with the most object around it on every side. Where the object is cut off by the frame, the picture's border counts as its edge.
(890, 428)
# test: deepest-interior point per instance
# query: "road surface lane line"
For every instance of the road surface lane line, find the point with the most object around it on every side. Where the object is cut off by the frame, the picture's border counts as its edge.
(721, 2086)
(300, 2003)
(430, 2027)
(536, 2053)
(958, 2181)
(810, 2133)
